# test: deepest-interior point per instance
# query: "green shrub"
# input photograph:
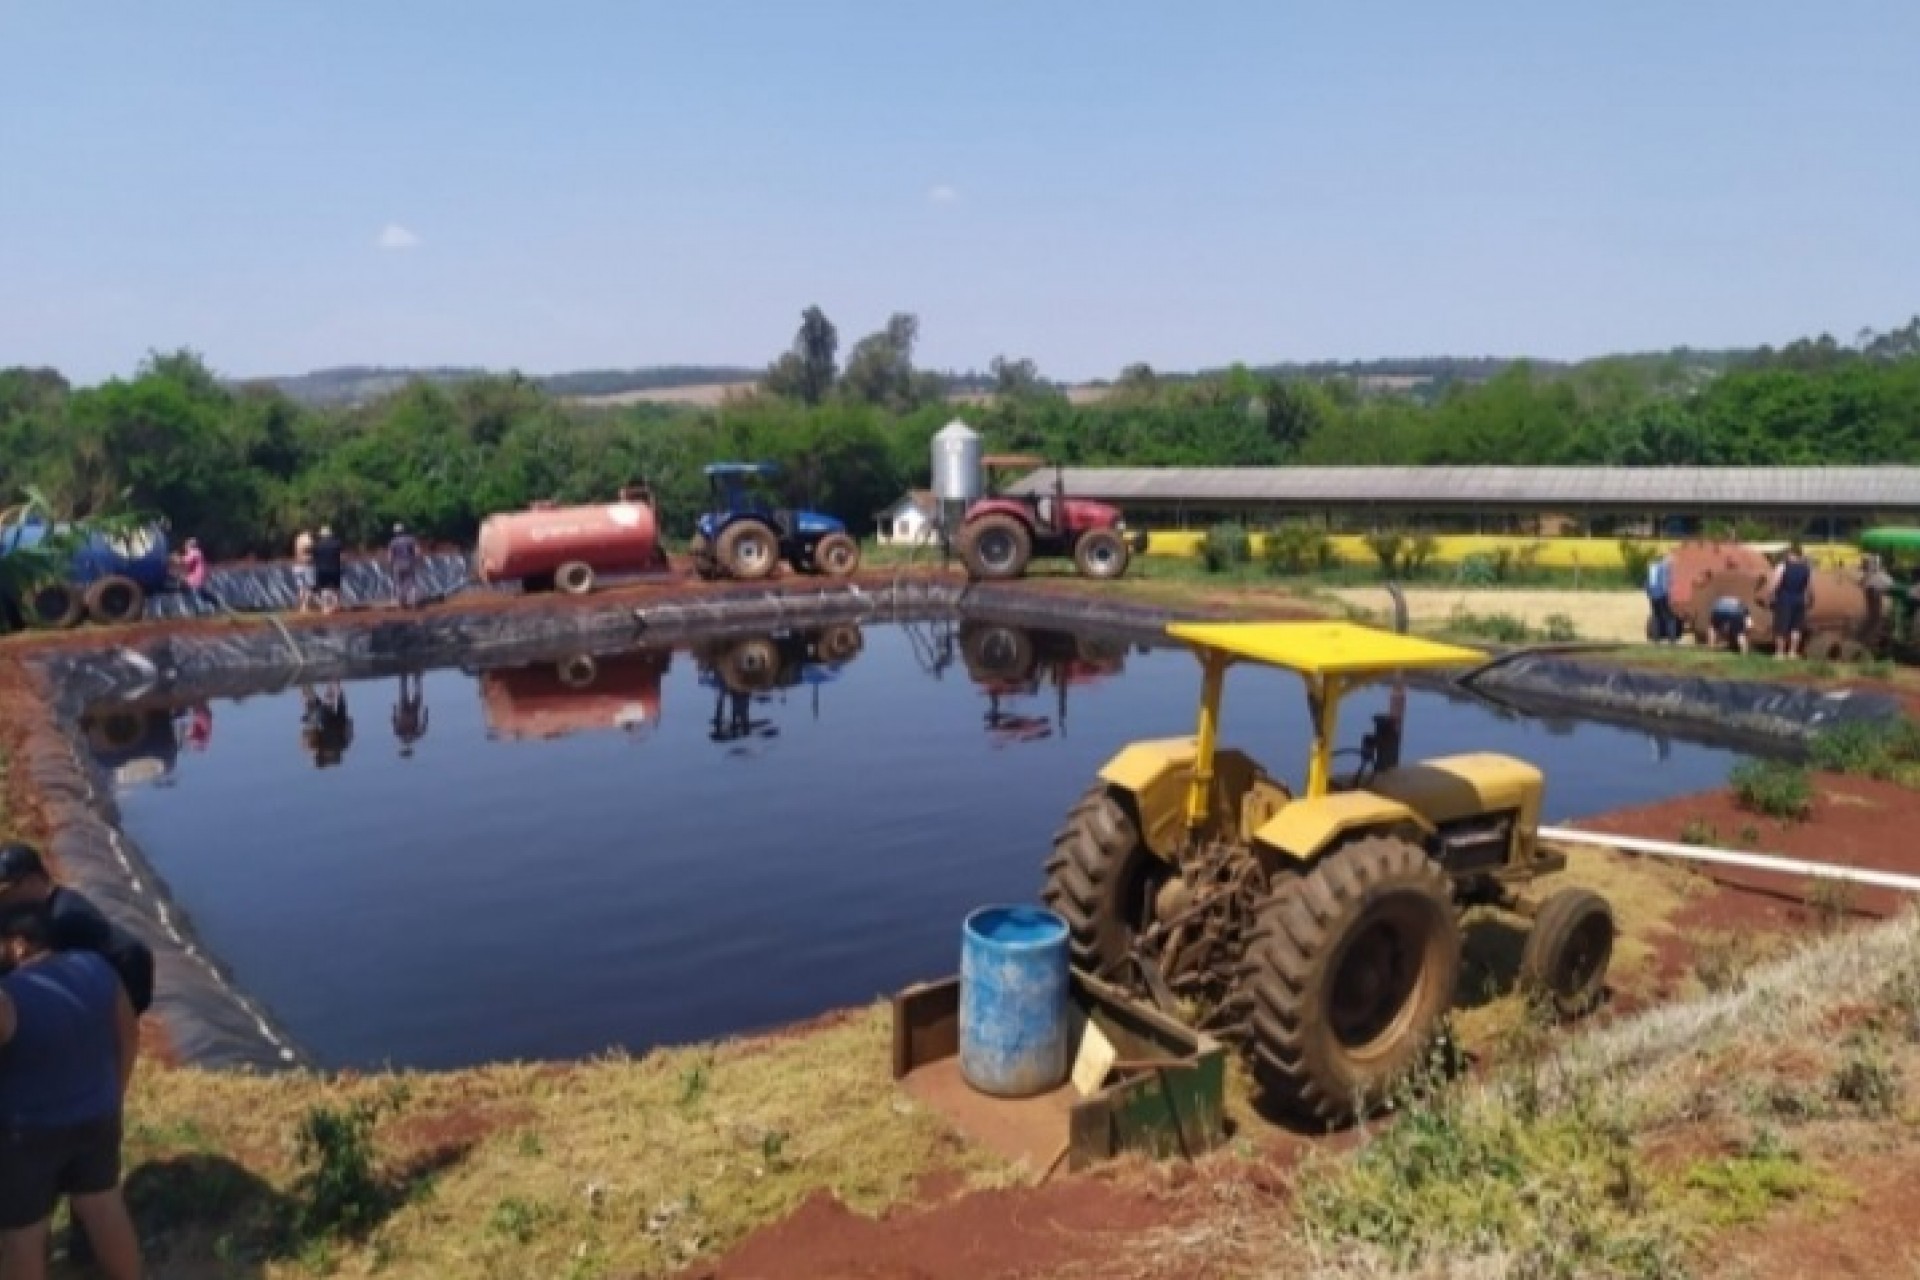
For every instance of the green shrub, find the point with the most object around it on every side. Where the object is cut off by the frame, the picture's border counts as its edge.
(1478, 570)
(1526, 561)
(1503, 564)
(1772, 788)
(1559, 628)
(1417, 557)
(338, 1190)
(1387, 547)
(1226, 546)
(1872, 749)
(1504, 628)
(1635, 559)
(1296, 548)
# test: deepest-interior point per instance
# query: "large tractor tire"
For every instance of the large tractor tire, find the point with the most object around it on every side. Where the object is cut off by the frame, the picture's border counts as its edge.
(1565, 959)
(1351, 968)
(1101, 554)
(1101, 879)
(53, 605)
(750, 666)
(747, 551)
(840, 643)
(995, 548)
(837, 556)
(996, 652)
(114, 600)
(574, 578)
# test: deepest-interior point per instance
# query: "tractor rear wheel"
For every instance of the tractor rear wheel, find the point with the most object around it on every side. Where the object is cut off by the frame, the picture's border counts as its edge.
(996, 547)
(747, 551)
(1565, 959)
(1101, 554)
(840, 643)
(115, 599)
(53, 605)
(750, 666)
(1350, 969)
(837, 555)
(1101, 879)
(574, 578)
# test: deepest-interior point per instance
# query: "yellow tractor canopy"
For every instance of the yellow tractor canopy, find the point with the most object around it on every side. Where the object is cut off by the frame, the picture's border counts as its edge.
(1332, 657)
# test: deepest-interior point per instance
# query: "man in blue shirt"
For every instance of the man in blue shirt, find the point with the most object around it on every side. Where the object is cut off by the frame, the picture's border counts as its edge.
(67, 1044)
(77, 924)
(1663, 625)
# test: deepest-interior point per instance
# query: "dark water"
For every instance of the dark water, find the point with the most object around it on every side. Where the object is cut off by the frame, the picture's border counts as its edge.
(437, 884)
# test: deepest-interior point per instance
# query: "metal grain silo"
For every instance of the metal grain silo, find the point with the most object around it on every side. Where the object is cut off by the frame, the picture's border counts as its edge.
(958, 478)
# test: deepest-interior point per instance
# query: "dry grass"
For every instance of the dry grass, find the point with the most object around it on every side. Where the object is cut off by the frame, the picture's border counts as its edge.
(1596, 615)
(613, 1167)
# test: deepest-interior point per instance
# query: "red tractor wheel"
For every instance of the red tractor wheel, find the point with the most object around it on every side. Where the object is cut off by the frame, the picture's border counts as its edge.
(1101, 554)
(996, 547)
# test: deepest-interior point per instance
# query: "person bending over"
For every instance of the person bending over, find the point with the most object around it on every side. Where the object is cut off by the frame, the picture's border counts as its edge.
(1729, 622)
(77, 925)
(67, 1045)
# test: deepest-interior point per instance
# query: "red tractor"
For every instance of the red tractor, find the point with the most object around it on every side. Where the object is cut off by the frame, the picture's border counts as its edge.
(1001, 533)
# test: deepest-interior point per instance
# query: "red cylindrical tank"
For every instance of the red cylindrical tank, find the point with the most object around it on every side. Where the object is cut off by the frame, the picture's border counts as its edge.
(615, 537)
(575, 695)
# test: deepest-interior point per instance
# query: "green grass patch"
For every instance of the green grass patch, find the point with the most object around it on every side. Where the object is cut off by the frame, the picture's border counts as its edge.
(1746, 1188)
(1773, 789)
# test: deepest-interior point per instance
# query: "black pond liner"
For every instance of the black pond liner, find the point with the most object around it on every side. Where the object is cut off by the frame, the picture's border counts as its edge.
(213, 1023)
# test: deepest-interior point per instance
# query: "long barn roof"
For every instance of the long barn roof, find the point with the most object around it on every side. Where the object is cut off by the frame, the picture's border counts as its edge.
(1825, 488)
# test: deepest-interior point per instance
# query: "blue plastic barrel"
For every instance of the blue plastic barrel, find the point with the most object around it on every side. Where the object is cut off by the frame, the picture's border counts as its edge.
(1013, 1001)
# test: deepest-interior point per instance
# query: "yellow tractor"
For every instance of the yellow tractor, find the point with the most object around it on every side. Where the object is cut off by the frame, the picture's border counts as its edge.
(1322, 929)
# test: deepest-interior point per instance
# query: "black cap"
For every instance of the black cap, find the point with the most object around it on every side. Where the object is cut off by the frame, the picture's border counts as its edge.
(17, 862)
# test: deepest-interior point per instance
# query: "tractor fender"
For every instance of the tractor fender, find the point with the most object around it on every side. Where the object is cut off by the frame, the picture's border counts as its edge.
(1152, 777)
(1307, 828)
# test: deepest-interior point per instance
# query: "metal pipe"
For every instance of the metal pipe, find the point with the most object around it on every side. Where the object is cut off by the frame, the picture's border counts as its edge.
(1729, 858)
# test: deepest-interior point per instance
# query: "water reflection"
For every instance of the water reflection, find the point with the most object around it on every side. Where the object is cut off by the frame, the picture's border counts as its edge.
(583, 693)
(746, 672)
(1014, 665)
(134, 746)
(410, 717)
(326, 725)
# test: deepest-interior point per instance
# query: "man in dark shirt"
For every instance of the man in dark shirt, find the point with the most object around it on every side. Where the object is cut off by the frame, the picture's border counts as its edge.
(329, 556)
(76, 924)
(403, 561)
(67, 1045)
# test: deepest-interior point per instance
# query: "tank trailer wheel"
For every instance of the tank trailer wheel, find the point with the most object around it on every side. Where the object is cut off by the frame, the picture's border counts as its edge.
(115, 599)
(1101, 554)
(1101, 879)
(577, 672)
(114, 731)
(574, 578)
(840, 643)
(53, 605)
(996, 547)
(1351, 967)
(747, 551)
(837, 555)
(1565, 959)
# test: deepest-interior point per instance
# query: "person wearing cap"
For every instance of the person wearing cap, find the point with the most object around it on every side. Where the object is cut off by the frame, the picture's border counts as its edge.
(403, 561)
(76, 924)
(68, 1038)
(329, 556)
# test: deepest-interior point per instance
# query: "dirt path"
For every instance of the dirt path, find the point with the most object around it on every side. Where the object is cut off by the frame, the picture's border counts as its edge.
(1596, 615)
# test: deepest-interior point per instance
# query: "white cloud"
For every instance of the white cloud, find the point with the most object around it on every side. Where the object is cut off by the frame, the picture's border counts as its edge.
(942, 194)
(395, 236)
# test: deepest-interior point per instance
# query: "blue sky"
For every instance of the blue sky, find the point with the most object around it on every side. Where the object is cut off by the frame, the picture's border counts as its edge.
(580, 184)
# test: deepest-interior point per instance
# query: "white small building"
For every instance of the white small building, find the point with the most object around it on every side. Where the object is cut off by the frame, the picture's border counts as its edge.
(912, 521)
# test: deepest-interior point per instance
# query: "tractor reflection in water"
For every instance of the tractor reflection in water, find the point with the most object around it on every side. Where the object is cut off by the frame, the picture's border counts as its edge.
(136, 746)
(326, 726)
(584, 693)
(746, 671)
(1010, 662)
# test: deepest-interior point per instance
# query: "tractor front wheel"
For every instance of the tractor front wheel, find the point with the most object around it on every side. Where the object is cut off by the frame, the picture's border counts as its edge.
(1565, 959)
(1101, 879)
(747, 551)
(1101, 554)
(837, 555)
(996, 547)
(1350, 969)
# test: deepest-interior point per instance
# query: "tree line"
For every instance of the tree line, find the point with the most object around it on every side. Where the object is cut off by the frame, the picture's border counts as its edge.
(245, 467)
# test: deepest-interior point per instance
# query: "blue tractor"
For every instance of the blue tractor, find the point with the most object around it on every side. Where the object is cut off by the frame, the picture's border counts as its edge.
(744, 535)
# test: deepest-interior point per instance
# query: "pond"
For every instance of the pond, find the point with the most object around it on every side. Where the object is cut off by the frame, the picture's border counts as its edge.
(663, 846)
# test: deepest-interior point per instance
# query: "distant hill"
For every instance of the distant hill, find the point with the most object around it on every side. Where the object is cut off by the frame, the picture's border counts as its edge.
(355, 384)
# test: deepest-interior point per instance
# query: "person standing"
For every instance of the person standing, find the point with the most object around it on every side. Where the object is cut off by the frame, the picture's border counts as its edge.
(68, 1038)
(77, 924)
(1790, 591)
(403, 561)
(1663, 626)
(329, 557)
(303, 569)
(193, 574)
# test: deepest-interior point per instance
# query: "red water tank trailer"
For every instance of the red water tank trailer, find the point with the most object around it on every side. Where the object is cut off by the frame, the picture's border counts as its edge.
(569, 547)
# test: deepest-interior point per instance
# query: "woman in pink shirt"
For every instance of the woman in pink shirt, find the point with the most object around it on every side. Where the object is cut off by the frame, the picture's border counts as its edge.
(193, 574)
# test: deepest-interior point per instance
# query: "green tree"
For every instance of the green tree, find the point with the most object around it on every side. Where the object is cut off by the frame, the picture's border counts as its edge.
(806, 372)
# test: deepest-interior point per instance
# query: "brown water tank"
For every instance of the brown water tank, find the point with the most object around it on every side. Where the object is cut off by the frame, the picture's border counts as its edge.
(1842, 609)
(575, 695)
(614, 537)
